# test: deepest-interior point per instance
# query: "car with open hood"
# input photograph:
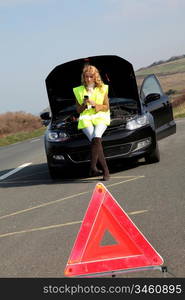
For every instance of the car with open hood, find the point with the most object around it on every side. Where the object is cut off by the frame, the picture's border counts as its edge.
(139, 118)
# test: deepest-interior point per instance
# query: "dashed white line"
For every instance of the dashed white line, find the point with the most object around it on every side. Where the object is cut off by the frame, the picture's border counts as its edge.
(35, 140)
(62, 199)
(14, 171)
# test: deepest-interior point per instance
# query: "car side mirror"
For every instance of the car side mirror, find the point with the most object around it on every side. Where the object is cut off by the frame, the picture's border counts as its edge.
(45, 116)
(152, 97)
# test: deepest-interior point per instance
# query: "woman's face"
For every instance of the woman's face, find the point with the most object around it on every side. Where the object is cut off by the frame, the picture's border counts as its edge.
(89, 78)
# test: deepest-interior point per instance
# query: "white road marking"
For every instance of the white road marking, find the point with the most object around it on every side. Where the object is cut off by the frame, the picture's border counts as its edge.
(138, 212)
(35, 140)
(57, 201)
(56, 226)
(63, 199)
(14, 171)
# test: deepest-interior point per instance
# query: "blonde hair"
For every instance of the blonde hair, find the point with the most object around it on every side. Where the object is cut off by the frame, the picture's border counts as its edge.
(94, 71)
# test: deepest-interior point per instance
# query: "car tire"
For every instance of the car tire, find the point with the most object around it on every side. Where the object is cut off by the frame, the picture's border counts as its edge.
(153, 156)
(53, 172)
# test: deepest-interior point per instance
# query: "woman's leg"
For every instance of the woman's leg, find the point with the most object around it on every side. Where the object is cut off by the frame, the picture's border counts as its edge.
(89, 132)
(94, 131)
(98, 132)
(102, 160)
(94, 134)
(94, 158)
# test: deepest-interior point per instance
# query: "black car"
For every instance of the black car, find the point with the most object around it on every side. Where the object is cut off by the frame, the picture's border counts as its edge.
(138, 119)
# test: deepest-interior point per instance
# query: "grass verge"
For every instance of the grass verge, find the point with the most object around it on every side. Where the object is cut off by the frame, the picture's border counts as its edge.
(178, 112)
(21, 136)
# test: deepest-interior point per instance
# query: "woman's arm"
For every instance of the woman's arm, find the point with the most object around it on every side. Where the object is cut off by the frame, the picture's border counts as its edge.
(104, 106)
(80, 108)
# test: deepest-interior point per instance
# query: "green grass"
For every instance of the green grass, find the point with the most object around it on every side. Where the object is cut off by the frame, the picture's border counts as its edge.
(179, 111)
(21, 136)
(176, 66)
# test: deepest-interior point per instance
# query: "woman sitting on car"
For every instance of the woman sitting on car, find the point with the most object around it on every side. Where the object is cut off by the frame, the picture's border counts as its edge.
(94, 115)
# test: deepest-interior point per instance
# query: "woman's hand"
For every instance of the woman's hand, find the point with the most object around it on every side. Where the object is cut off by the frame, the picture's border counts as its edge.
(91, 102)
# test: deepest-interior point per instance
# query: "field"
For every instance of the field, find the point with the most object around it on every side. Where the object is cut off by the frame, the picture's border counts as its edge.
(171, 76)
(172, 79)
(176, 66)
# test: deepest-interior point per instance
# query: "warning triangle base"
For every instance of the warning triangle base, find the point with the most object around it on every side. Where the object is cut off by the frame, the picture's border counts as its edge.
(125, 271)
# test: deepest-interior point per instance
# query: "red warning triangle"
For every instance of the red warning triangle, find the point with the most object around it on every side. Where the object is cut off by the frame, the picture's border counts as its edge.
(129, 249)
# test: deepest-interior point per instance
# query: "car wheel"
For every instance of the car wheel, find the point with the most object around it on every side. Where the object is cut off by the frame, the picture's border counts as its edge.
(53, 172)
(154, 156)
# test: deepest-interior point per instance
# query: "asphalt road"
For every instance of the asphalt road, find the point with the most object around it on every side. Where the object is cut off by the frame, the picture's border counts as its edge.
(40, 218)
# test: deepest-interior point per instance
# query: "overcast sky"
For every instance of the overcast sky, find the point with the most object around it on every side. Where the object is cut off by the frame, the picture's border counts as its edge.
(37, 35)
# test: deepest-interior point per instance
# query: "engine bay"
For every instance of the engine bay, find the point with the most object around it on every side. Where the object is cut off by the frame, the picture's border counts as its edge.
(121, 110)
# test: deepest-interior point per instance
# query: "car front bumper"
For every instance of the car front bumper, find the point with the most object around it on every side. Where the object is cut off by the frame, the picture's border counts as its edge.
(116, 144)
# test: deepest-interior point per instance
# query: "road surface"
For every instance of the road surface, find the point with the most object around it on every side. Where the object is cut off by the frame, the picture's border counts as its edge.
(40, 218)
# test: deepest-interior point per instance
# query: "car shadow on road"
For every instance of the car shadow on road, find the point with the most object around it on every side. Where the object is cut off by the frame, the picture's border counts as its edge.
(38, 174)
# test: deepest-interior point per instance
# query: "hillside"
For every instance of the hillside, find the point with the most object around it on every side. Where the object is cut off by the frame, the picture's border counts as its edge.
(171, 75)
(174, 64)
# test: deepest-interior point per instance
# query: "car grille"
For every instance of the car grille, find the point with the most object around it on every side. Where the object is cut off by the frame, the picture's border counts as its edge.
(117, 150)
(110, 152)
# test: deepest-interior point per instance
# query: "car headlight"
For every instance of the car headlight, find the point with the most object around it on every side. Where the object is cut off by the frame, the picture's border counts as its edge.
(137, 122)
(54, 136)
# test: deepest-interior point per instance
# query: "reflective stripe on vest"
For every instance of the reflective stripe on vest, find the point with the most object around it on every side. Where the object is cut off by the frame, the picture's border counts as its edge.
(89, 116)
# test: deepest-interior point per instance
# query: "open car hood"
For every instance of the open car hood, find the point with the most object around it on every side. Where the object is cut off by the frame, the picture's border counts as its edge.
(114, 70)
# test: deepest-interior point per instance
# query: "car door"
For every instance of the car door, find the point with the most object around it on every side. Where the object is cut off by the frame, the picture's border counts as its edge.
(158, 104)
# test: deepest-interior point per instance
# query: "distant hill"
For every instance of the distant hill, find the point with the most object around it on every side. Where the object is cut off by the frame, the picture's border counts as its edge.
(171, 74)
(171, 59)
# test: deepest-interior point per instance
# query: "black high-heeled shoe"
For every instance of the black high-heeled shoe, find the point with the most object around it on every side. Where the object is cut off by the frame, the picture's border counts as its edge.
(106, 177)
(95, 172)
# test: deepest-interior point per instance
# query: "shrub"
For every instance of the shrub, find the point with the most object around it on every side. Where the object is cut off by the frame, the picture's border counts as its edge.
(179, 101)
(170, 92)
(14, 122)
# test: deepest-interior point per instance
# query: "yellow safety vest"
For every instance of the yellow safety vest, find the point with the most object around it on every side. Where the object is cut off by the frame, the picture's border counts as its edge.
(89, 116)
